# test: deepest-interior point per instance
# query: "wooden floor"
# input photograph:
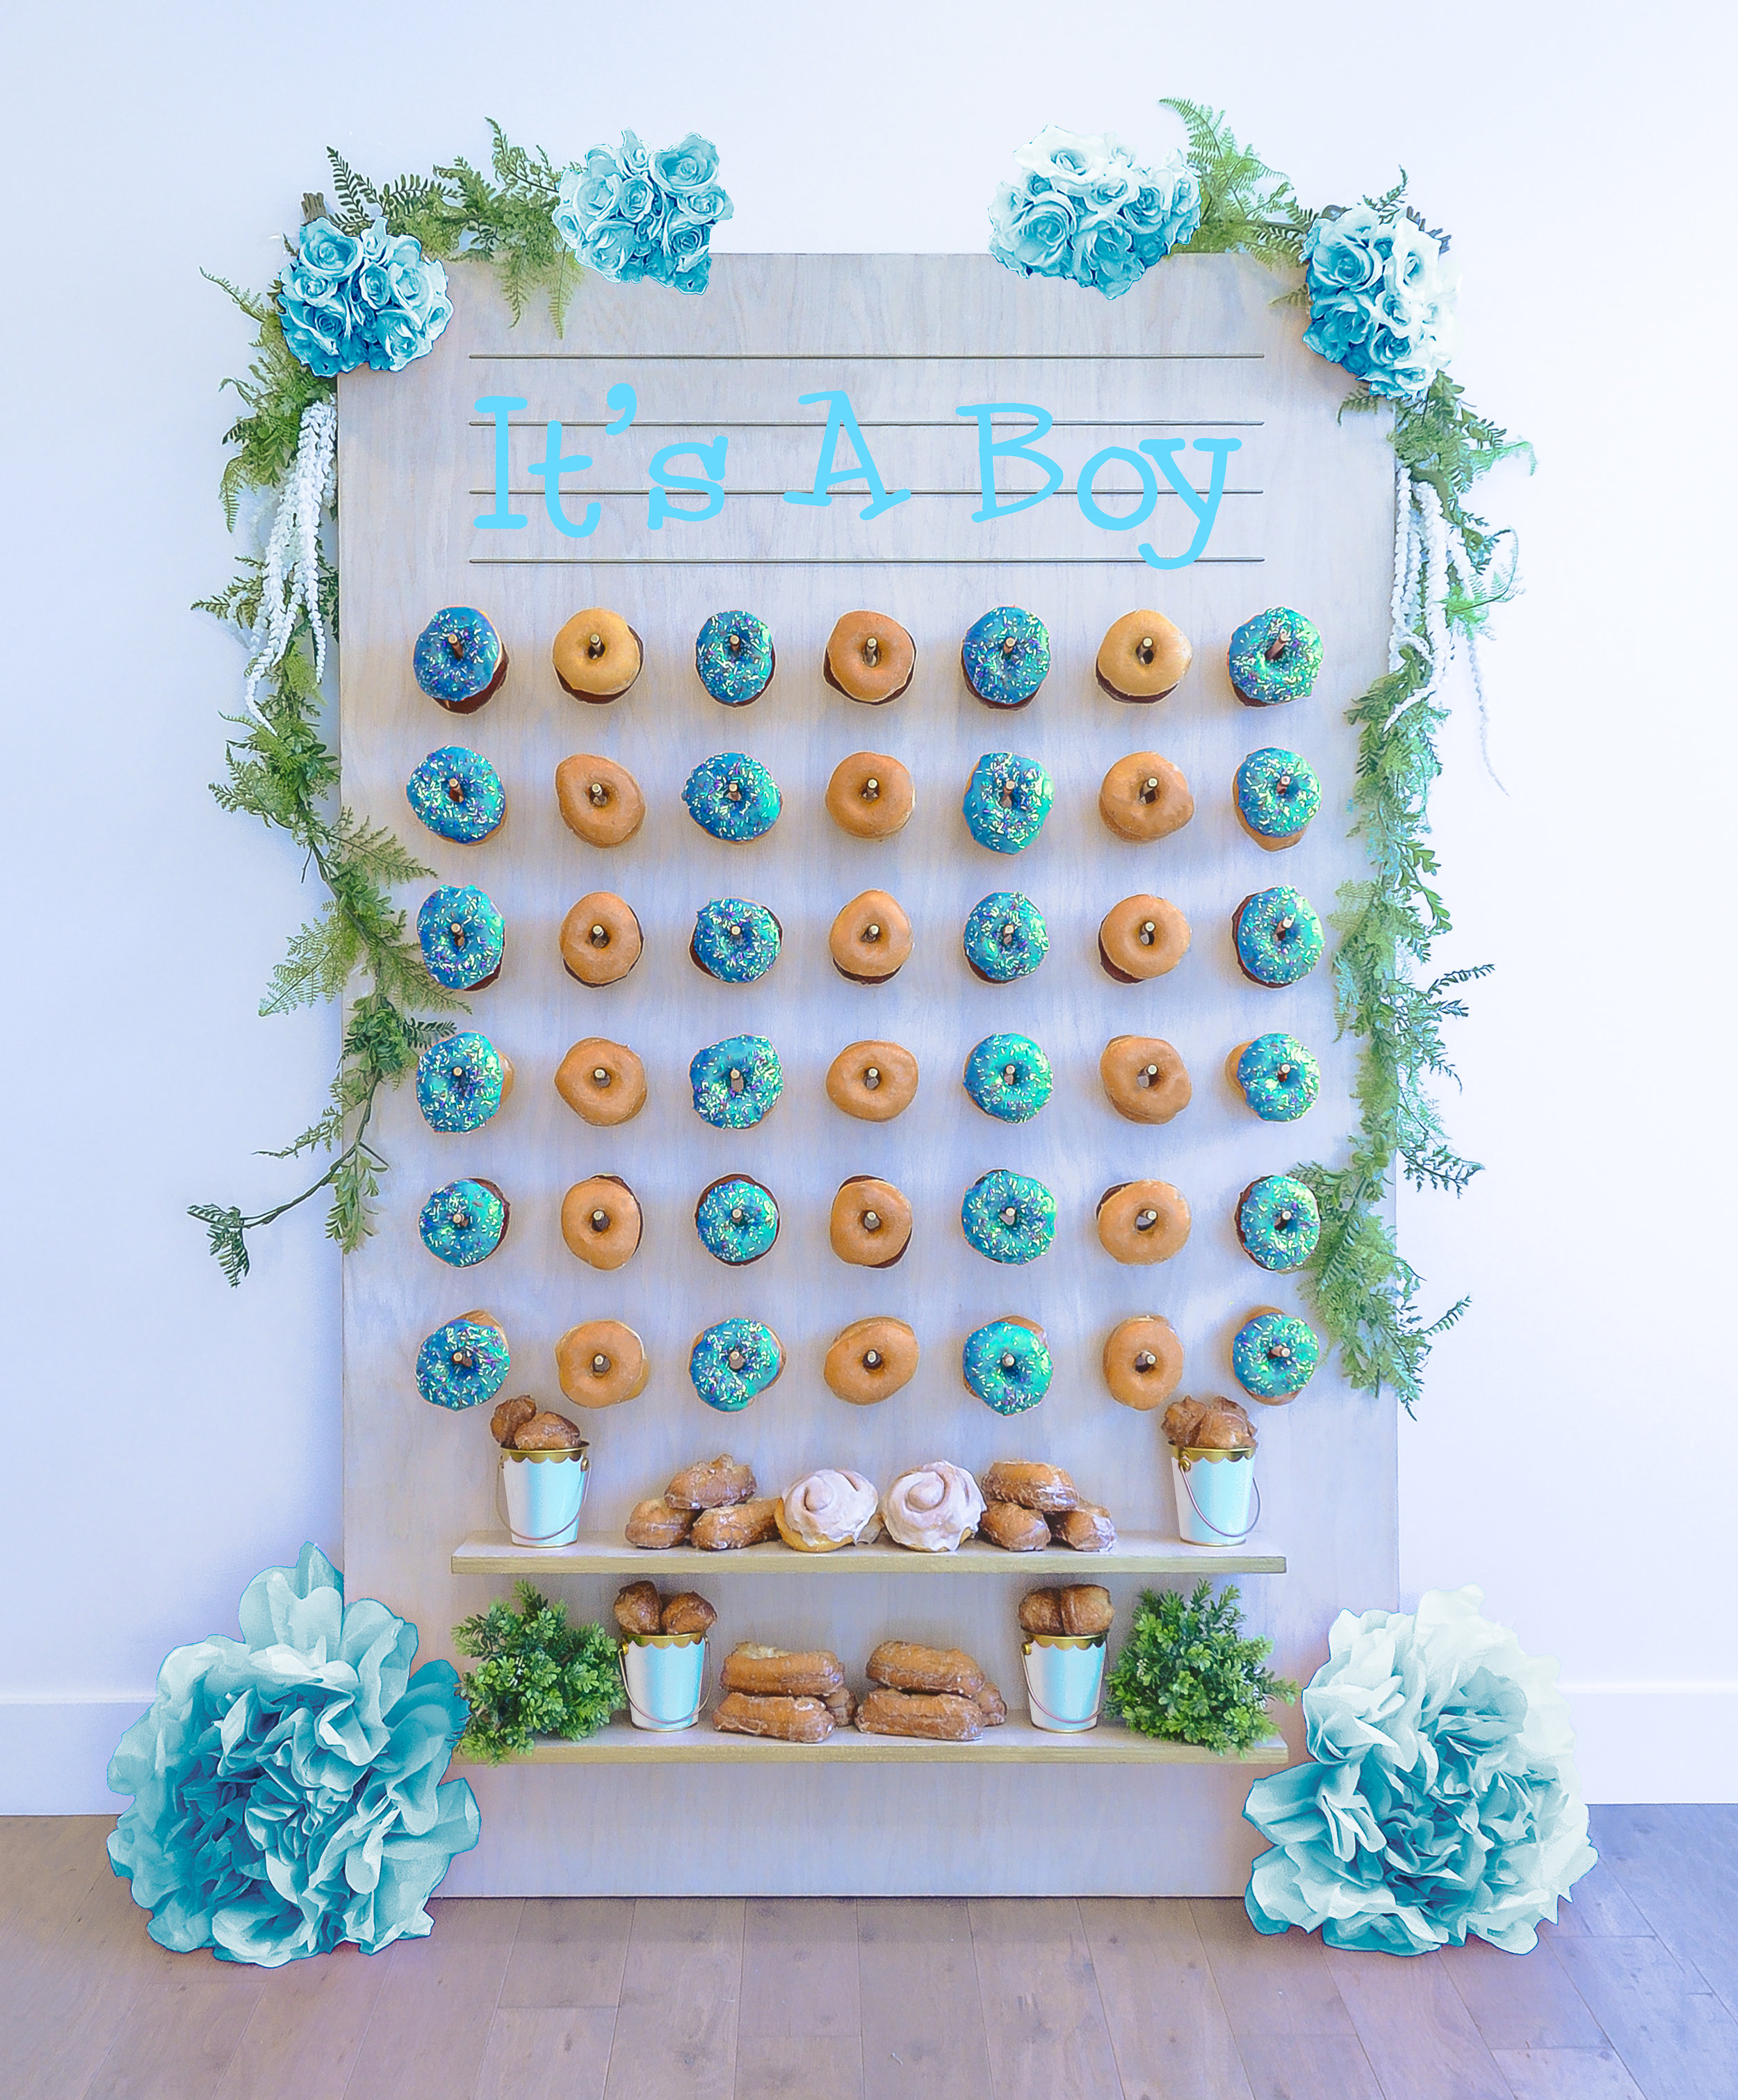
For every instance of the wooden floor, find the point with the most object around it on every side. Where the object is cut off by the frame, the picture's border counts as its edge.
(1635, 1993)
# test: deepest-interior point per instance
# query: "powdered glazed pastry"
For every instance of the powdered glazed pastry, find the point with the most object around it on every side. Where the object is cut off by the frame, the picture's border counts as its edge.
(461, 1082)
(601, 940)
(464, 1222)
(1144, 798)
(871, 1360)
(733, 654)
(1143, 1362)
(733, 797)
(1006, 801)
(1277, 1076)
(1278, 1223)
(1274, 1355)
(1143, 1222)
(600, 1221)
(1274, 658)
(597, 656)
(463, 937)
(735, 1082)
(933, 1508)
(733, 1362)
(1142, 657)
(457, 794)
(872, 1081)
(735, 940)
(1006, 1364)
(600, 1363)
(1005, 937)
(1008, 1217)
(1278, 936)
(871, 796)
(603, 1083)
(870, 939)
(737, 1220)
(828, 1509)
(1008, 1077)
(458, 659)
(464, 1363)
(1006, 656)
(1145, 1079)
(1143, 936)
(1276, 793)
(869, 658)
(599, 800)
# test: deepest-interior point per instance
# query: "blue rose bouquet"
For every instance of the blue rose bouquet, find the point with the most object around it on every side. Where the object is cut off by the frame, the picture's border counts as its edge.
(1381, 299)
(629, 214)
(1082, 209)
(1442, 1799)
(372, 298)
(286, 1786)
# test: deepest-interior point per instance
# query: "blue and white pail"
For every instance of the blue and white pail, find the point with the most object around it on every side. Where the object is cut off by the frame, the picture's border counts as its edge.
(1064, 1673)
(1218, 1502)
(665, 1677)
(544, 1492)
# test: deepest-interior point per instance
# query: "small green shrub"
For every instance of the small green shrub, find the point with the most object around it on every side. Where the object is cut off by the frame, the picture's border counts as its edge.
(1188, 1673)
(536, 1675)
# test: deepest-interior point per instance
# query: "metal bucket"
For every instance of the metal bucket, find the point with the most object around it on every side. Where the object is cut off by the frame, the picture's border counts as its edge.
(665, 1676)
(544, 1492)
(1218, 1502)
(1064, 1673)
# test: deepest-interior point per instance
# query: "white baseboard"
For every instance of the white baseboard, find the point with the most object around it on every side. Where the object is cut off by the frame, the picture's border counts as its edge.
(1636, 1742)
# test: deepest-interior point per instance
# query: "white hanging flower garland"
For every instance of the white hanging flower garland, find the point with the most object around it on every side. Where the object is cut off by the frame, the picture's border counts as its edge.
(292, 559)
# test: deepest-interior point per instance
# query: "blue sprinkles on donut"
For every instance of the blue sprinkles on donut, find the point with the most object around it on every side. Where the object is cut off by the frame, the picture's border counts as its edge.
(1006, 1365)
(1274, 658)
(463, 1363)
(1008, 1077)
(458, 659)
(457, 794)
(1008, 1217)
(1278, 1223)
(735, 1082)
(1279, 1078)
(1278, 936)
(733, 1362)
(732, 653)
(1007, 801)
(463, 937)
(1005, 937)
(735, 940)
(464, 1222)
(1277, 794)
(461, 1082)
(1274, 1355)
(737, 1220)
(1006, 656)
(732, 796)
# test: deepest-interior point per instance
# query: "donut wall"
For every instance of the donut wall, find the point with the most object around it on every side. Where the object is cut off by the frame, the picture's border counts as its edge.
(1198, 354)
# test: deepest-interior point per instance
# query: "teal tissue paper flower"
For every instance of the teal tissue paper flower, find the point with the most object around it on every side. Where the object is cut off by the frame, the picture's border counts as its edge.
(630, 214)
(286, 1787)
(1442, 1799)
(1082, 209)
(1381, 299)
(372, 298)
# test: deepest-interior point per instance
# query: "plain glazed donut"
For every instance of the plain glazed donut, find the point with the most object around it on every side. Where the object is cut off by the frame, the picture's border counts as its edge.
(1142, 657)
(600, 1221)
(870, 938)
(601, 1362)
(1142, 1221)
(872, 1081)
(869, 658)
(1143, 1362)
(1144, 797)
(1145, 1079)
(600, 940)
(1141, 938)
(599, 800)
(870, 1361)
(870, 1225)
(597, 656)
(603, 1083)
(871, 796)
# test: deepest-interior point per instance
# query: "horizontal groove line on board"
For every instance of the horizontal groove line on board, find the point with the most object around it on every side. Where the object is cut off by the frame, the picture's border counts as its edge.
(842, 561)
(1015, 423)
(868, 357)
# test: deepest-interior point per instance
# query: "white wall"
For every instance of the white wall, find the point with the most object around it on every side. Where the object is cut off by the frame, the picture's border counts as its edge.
(166, 1437)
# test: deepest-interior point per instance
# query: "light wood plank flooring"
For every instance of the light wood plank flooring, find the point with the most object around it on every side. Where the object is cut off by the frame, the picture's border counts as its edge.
(1633, 1996)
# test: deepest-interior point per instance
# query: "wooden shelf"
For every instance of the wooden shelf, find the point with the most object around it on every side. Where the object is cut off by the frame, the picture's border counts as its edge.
(492, 1553)
(1015, 1742)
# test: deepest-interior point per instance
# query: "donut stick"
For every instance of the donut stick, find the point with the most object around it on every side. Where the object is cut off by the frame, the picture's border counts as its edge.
(652, 1525)
(1032, 1485)
(773, 1672)
(1086, 1608)
(688, 1613)
(637, 1610)
(782, 1720)
(511, 1415)
(1015, 1529)
(940, 1716)
(711, 1484)
(992, 1706)
(1088, 1529)
(743, 1524)
(1041, 1612)
(908, 1666)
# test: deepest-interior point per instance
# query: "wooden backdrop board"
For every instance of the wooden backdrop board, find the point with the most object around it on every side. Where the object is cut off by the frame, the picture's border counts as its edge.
(1198, 348)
